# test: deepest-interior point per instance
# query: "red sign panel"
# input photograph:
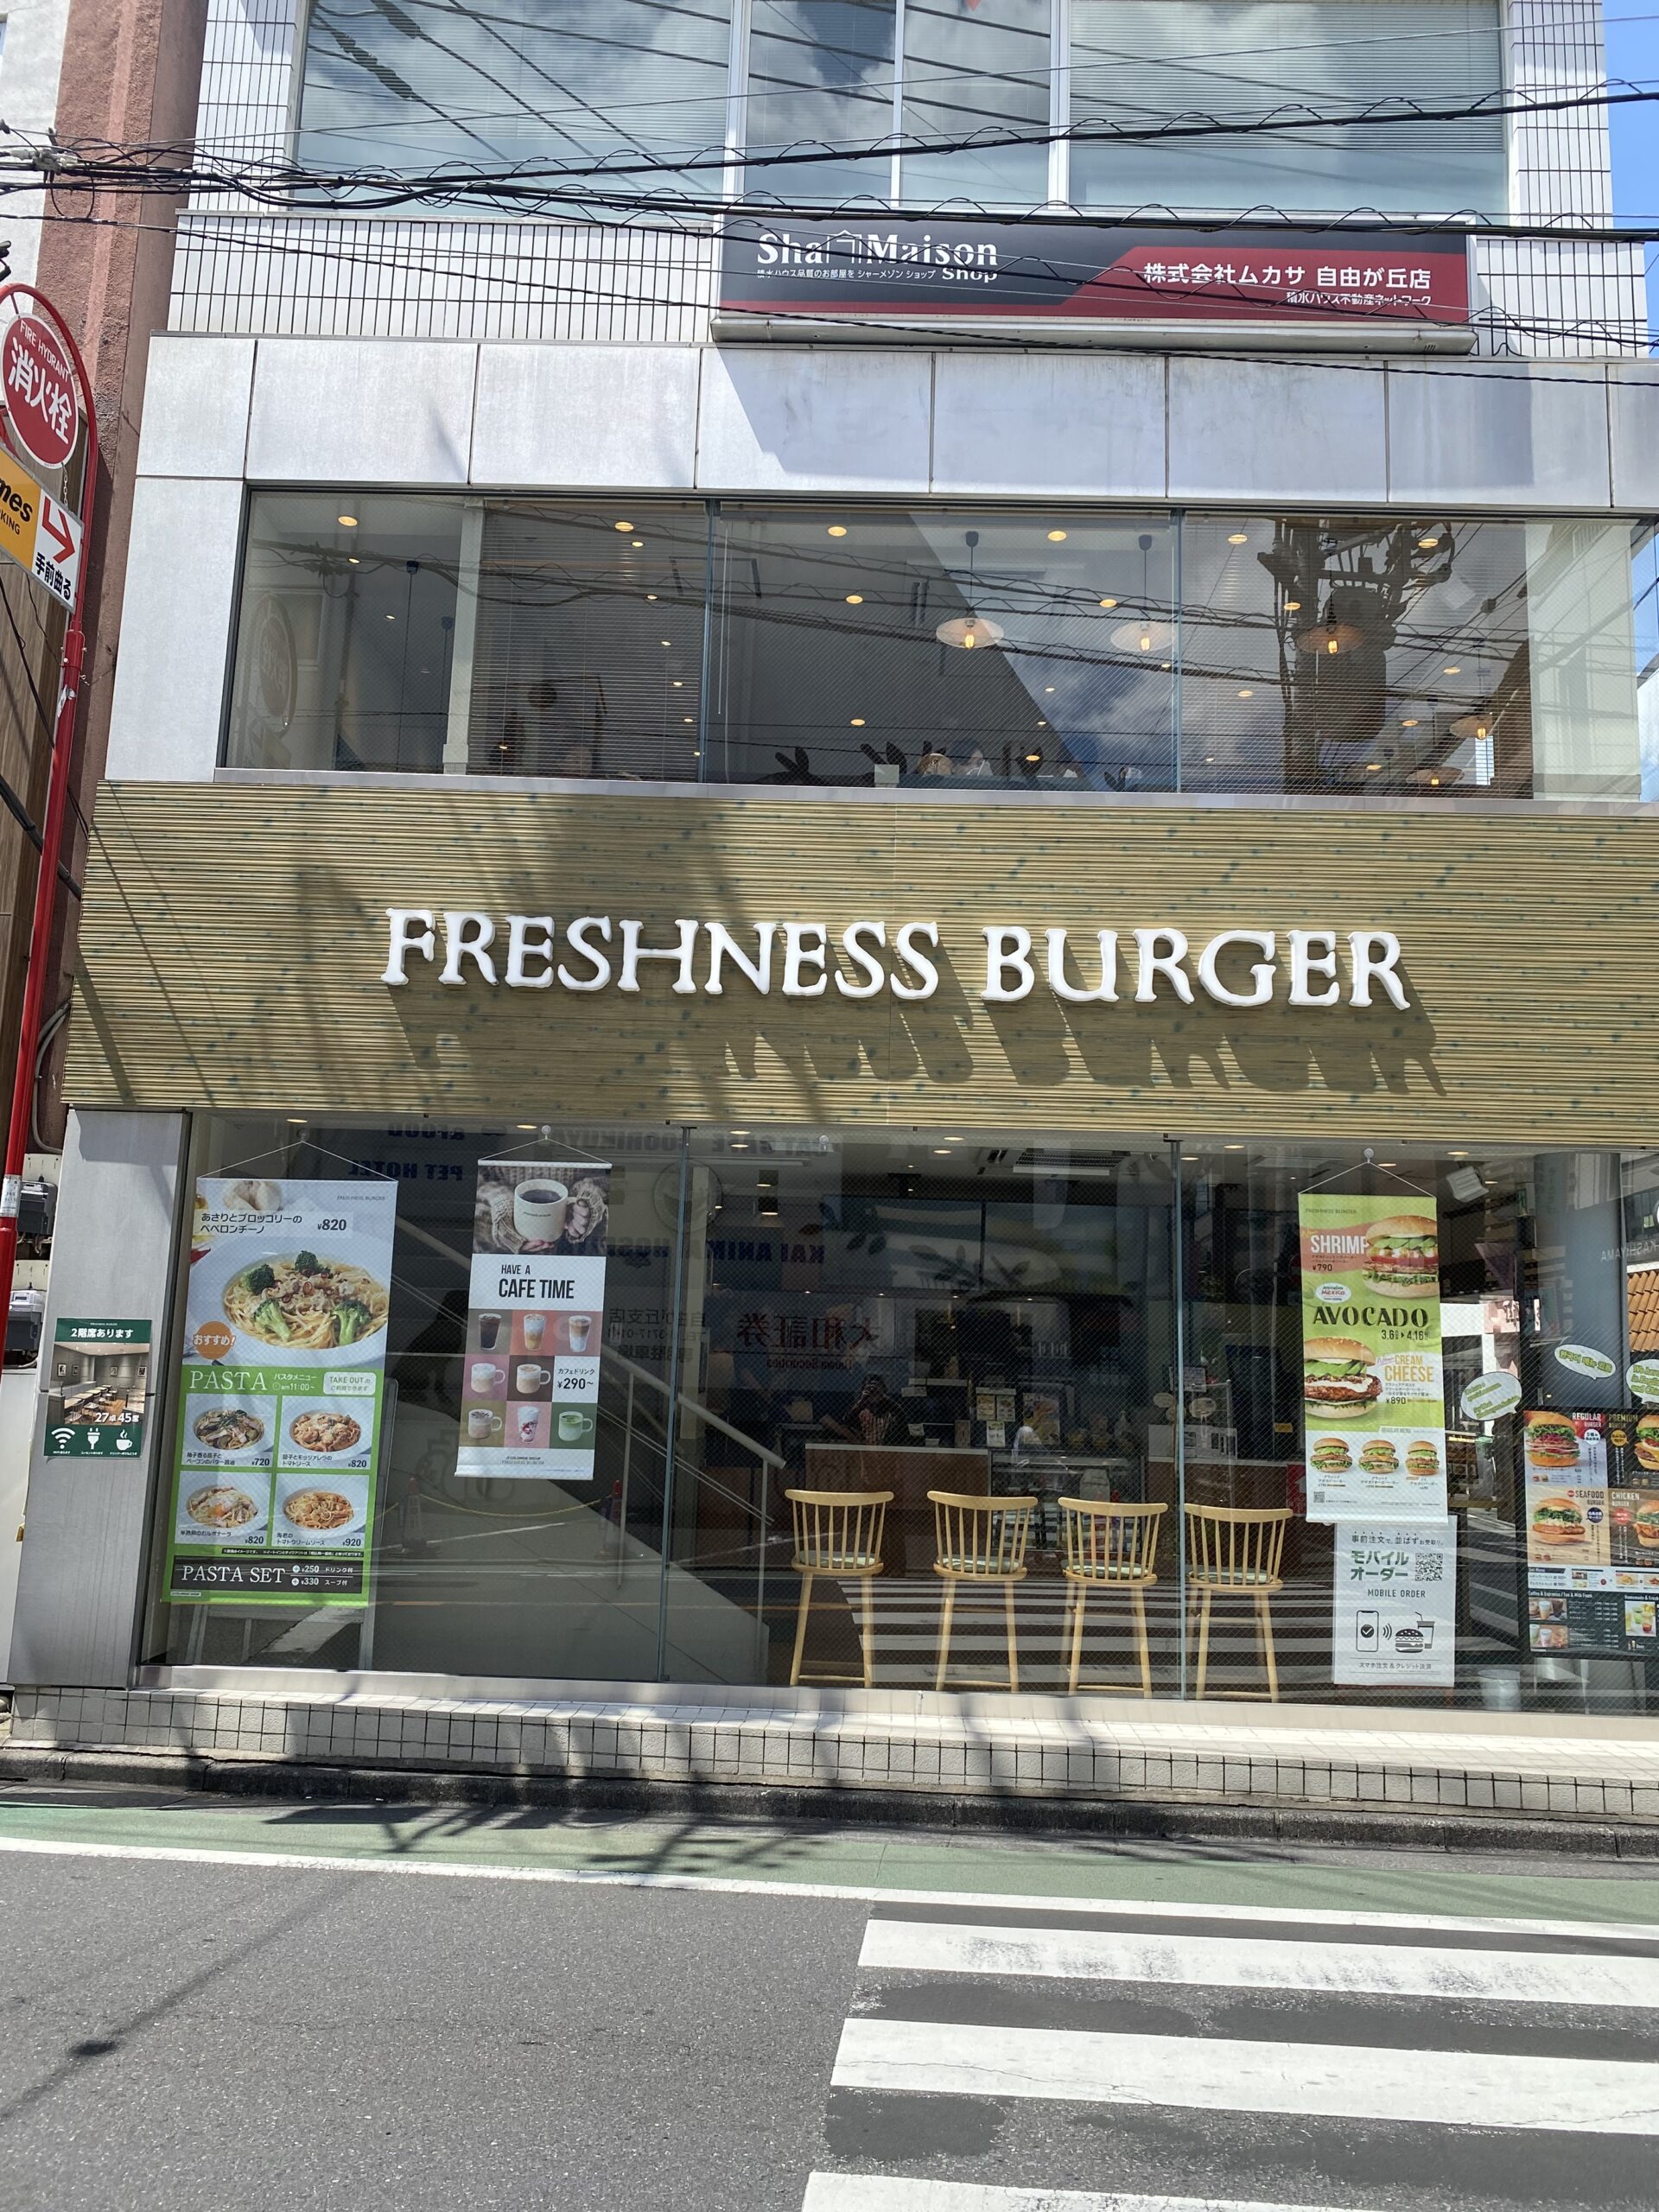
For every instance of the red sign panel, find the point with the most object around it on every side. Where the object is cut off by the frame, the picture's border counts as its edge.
(39, 390)
(951, 270)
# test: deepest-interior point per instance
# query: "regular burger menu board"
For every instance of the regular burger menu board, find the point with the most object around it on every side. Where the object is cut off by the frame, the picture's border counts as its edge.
(1592, 1530)
(530, 1380)
(1373, 1412)
(279, 1420)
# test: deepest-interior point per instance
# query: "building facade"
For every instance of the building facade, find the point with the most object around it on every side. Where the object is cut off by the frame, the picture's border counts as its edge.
(924, 839)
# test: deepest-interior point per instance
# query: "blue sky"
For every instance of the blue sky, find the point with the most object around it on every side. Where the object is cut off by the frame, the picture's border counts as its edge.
(1633, 53)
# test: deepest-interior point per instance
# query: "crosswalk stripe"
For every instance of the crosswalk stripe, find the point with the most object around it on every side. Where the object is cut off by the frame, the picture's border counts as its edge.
(891, 2193)
(1395, 1970)
(1465, 2089)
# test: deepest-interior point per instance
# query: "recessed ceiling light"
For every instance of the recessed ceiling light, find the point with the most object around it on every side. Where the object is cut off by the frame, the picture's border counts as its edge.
(352, 561)
(837, 530)
(650, 594)
(1232, 1148)
(1410, 723)
(1238, 538)
(1427, 544)
(667, 641)
(1293, 607)
(1457, 1156)
(687, 718)
(523, 1125)
(1109, 602)
(296, 1120)
(638, 544)
(1042, 725)
(1247, 694)
(627, 528)
(680, 684)
(857, 722)
(1032, 758)
(854, 599)
(391, 618)
(1452, 668)
(1056, 537)
(1048, 687)
(346, 522)
(941, 1151)
(1373, 767)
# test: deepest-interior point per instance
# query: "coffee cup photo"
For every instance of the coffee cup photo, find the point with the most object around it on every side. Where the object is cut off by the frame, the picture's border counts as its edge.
(534, 1329)
(528, 1424)
(528, 1379)
(489, 1331)
(538, 1210)
(487, 1380)
(579, 1329)
(483, 1424)
(575, 1427)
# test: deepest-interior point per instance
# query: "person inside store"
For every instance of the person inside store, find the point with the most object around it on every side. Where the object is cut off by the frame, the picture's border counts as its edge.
(875, 1417)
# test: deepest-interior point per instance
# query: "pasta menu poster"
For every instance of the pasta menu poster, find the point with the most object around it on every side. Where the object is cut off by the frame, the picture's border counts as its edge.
(530, 1380)
(279, 1428)
(1373, 1405)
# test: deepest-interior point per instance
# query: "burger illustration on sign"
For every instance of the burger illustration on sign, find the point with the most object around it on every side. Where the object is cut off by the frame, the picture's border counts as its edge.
(1647, 1441)
(1403, 1255)
(1423, 1460)
(1556, 1522)
(1339, 1378)
(1379, 1458)
(1331, 1456)
(1551, 1440)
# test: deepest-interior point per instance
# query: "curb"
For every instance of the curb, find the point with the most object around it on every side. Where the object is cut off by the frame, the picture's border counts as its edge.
(1028, 1814)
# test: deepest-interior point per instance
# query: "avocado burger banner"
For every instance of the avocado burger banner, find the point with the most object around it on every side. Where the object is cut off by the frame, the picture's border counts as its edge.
(1373, 1410)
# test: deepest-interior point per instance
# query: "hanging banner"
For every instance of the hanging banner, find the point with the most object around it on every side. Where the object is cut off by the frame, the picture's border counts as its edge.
(1394, 1616)
(279, 1427)
(95, 1398)
(529, 1381)
(1373, 1406)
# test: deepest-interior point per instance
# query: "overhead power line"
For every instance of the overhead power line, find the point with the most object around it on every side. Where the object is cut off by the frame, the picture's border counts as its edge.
(94, 165)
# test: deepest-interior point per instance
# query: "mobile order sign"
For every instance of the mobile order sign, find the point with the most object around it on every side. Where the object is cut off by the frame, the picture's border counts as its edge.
(40, 533)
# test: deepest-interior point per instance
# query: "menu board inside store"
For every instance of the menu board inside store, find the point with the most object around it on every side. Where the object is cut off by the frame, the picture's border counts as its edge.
(530, 1380)
(1592, 1495)
(277, 1464)
(954, 267)
(1373, 1410)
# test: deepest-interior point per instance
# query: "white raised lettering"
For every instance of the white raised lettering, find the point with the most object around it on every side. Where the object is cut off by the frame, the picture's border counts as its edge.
(1376, 956)
(806, 947)
(1313, 952)
(905, 945)
(404, 940)
(1150, 964)
(467, 936)
(1007, 949)
(875, 974)
(576, 937)
(1260, 970)
(1057, 976)
(529, 937)
(723, 946)
(633, 952)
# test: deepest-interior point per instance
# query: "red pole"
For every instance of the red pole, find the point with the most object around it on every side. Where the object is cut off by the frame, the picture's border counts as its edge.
(57, 809)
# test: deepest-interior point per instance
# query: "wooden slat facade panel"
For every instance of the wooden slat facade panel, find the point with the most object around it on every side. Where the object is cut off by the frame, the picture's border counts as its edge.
(234, 938)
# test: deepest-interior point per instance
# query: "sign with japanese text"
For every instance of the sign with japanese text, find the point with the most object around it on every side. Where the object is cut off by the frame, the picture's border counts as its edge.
(96, 1391)
(38, 387)
(529, 1377)
(39, 532)
(1393, 1603)
(1591, 1498)
(280, 1400)
(949, 268)
(1373, 1406)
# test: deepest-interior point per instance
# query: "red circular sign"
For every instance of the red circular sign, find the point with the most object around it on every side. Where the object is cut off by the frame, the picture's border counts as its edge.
(38, 387)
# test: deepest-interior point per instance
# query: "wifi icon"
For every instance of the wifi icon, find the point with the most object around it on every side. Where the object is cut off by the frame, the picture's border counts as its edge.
(63, 1437)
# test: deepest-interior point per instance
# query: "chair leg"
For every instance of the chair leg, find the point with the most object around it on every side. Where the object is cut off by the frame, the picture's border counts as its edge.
(800, 1628)
(870, 1633)
(1264, 1616)
(1203, 1640)
(945, 1635)
(1079, 1592)
(1138, 1600)
(1013, 1648)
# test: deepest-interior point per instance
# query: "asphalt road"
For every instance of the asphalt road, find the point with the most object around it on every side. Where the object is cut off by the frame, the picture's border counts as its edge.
(255, 2005)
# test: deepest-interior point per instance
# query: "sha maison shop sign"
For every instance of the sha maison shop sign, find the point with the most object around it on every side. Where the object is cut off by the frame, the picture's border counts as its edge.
(1243, 967)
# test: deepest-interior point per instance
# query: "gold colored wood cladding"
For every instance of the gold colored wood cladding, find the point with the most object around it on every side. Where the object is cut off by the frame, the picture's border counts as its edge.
(233, 939)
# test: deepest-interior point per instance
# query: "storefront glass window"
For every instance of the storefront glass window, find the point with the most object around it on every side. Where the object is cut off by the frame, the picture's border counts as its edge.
(948, 648)
(821, 75)
(1359, 1429)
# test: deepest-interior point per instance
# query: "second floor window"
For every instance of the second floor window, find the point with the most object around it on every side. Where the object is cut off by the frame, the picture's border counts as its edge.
(898, 103)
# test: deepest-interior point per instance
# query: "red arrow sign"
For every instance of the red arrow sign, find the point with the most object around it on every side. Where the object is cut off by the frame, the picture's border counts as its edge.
(53, 524)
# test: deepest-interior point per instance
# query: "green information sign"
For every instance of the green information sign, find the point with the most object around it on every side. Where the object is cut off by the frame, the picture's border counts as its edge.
(96, 1391)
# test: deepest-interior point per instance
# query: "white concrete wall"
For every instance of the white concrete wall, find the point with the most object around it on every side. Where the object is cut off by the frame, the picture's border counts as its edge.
(222, 412)
(29, 103)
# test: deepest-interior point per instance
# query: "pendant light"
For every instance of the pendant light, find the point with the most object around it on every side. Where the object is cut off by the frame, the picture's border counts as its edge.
(971, 629)
(1144, 635)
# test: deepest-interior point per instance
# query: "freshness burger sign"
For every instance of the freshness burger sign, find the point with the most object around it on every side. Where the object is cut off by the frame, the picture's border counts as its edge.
(465, 948)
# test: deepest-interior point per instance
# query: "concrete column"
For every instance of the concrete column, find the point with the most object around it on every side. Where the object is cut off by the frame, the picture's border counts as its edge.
(82, 1579)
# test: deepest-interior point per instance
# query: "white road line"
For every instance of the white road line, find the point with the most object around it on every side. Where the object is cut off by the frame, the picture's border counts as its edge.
(1329, 2081)
(891, 2193)
(1233, 1962)
(850, 1892)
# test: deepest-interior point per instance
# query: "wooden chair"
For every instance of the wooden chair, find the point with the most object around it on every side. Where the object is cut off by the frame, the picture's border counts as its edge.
(979, 1543)
(838, 1533)
(1106, 1546)
(1235, 1552)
